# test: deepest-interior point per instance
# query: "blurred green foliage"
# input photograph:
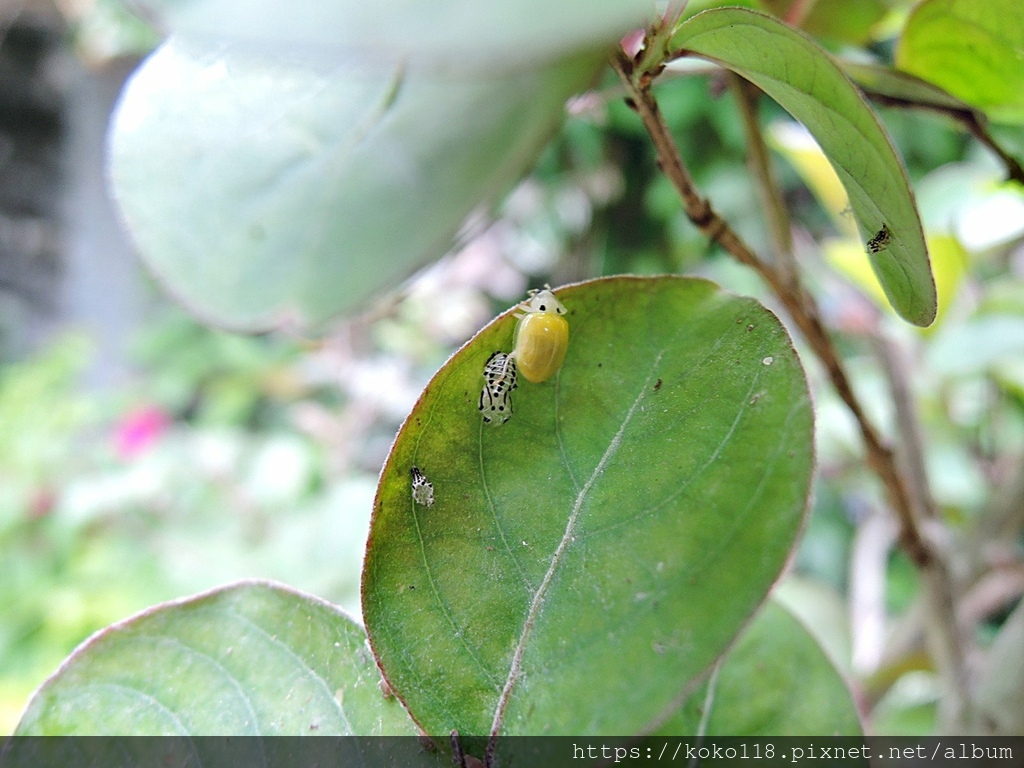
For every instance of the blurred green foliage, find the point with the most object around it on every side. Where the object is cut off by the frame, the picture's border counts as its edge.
(189, 476)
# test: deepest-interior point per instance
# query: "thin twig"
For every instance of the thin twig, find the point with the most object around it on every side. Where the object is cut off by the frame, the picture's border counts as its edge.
(775, 211)
(946, 638)
(1000, 521)
(674, 13)
(911, 444)
(658, 36)
(968, 118)
(869, 557)
(1014, 170)
(804, 311)
(797, 301)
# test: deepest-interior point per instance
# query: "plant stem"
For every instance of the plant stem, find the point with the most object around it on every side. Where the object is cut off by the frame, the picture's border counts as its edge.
(911, 452)
(946, 646)
(804, 311)
(797, 301)
(971, 121)
(674, 13)
(768, 192)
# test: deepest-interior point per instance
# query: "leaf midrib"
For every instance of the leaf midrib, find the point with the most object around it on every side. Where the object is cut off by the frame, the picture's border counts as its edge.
(556, 557)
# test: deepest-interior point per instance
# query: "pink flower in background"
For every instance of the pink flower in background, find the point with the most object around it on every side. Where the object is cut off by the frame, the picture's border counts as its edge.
(139, 429)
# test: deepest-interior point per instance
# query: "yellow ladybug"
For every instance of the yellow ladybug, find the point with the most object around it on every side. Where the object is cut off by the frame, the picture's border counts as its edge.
(542, 336)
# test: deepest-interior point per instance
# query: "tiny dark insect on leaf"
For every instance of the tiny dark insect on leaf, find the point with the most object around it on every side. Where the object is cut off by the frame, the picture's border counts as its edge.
(880, 240)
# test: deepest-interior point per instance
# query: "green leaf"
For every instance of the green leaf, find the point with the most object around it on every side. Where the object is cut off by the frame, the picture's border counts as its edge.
(453, 34)
(801, 77)
(973, 50)
(127, 751)
(584, 564)
(266, 191)
(253, 659)
(775, 680)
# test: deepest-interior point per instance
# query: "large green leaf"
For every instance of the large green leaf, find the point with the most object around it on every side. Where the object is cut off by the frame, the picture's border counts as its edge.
(253, 659)
(975, 50)
(454, 34)
(583, 564)
(775, 681)
(266, 190)
(801, 77)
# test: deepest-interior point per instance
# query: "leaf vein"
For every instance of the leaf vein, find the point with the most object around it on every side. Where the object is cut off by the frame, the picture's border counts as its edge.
(556, 558)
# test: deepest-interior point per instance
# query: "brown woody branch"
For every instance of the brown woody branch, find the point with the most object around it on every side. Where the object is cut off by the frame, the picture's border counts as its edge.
(803, 309)
(797, 301)
(972, 121)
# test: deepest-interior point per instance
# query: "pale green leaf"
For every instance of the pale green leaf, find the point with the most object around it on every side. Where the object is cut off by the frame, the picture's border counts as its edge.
(974, 50)
(253, 659)
(449, 34)
(803, 79)
(265, 191)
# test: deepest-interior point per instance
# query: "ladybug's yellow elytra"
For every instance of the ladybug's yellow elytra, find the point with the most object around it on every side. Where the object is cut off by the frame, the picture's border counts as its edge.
(541, 338)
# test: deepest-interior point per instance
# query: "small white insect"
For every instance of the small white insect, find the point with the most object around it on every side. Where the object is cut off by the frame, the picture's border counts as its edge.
(496, 395)
(422, 489)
